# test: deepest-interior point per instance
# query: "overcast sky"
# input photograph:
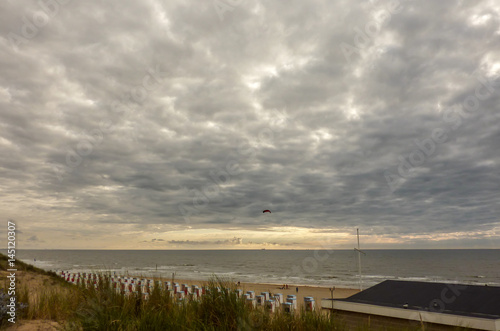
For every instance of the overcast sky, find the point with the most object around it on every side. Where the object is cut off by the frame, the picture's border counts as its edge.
(172, 125)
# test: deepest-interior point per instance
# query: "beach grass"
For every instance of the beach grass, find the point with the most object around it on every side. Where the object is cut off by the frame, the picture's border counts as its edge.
(104, 309)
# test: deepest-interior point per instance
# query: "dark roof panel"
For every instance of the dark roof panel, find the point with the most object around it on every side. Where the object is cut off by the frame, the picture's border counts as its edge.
(457, 299)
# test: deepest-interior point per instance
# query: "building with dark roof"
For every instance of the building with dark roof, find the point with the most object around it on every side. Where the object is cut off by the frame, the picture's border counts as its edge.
(437, 306)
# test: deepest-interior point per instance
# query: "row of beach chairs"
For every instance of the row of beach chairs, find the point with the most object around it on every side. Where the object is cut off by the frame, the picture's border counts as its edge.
(181, 292)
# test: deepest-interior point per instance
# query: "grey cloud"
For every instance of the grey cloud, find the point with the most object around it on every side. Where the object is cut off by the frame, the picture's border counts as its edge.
(348, 123)
(34, 239)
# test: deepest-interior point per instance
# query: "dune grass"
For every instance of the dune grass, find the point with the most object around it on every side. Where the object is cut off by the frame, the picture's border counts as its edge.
(40, 294)
(104, 309)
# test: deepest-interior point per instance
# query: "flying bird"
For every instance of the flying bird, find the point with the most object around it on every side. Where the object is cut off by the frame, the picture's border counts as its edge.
(267, 211)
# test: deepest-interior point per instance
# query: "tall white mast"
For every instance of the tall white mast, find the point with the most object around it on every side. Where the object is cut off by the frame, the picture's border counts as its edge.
(359, 262)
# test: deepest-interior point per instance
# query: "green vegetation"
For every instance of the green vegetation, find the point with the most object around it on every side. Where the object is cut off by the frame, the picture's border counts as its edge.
(104, 309)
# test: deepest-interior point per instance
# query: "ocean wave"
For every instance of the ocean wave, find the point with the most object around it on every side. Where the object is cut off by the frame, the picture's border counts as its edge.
(378, 276)
(38, 263)
(416, 279)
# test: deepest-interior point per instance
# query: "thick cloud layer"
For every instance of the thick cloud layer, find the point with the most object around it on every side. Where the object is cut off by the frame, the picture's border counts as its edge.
(166, 124)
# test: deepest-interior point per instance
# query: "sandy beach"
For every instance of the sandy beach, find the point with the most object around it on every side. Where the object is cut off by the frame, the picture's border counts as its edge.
(317, 292)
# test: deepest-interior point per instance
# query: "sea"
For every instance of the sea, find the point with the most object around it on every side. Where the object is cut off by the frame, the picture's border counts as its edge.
(339, 268)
